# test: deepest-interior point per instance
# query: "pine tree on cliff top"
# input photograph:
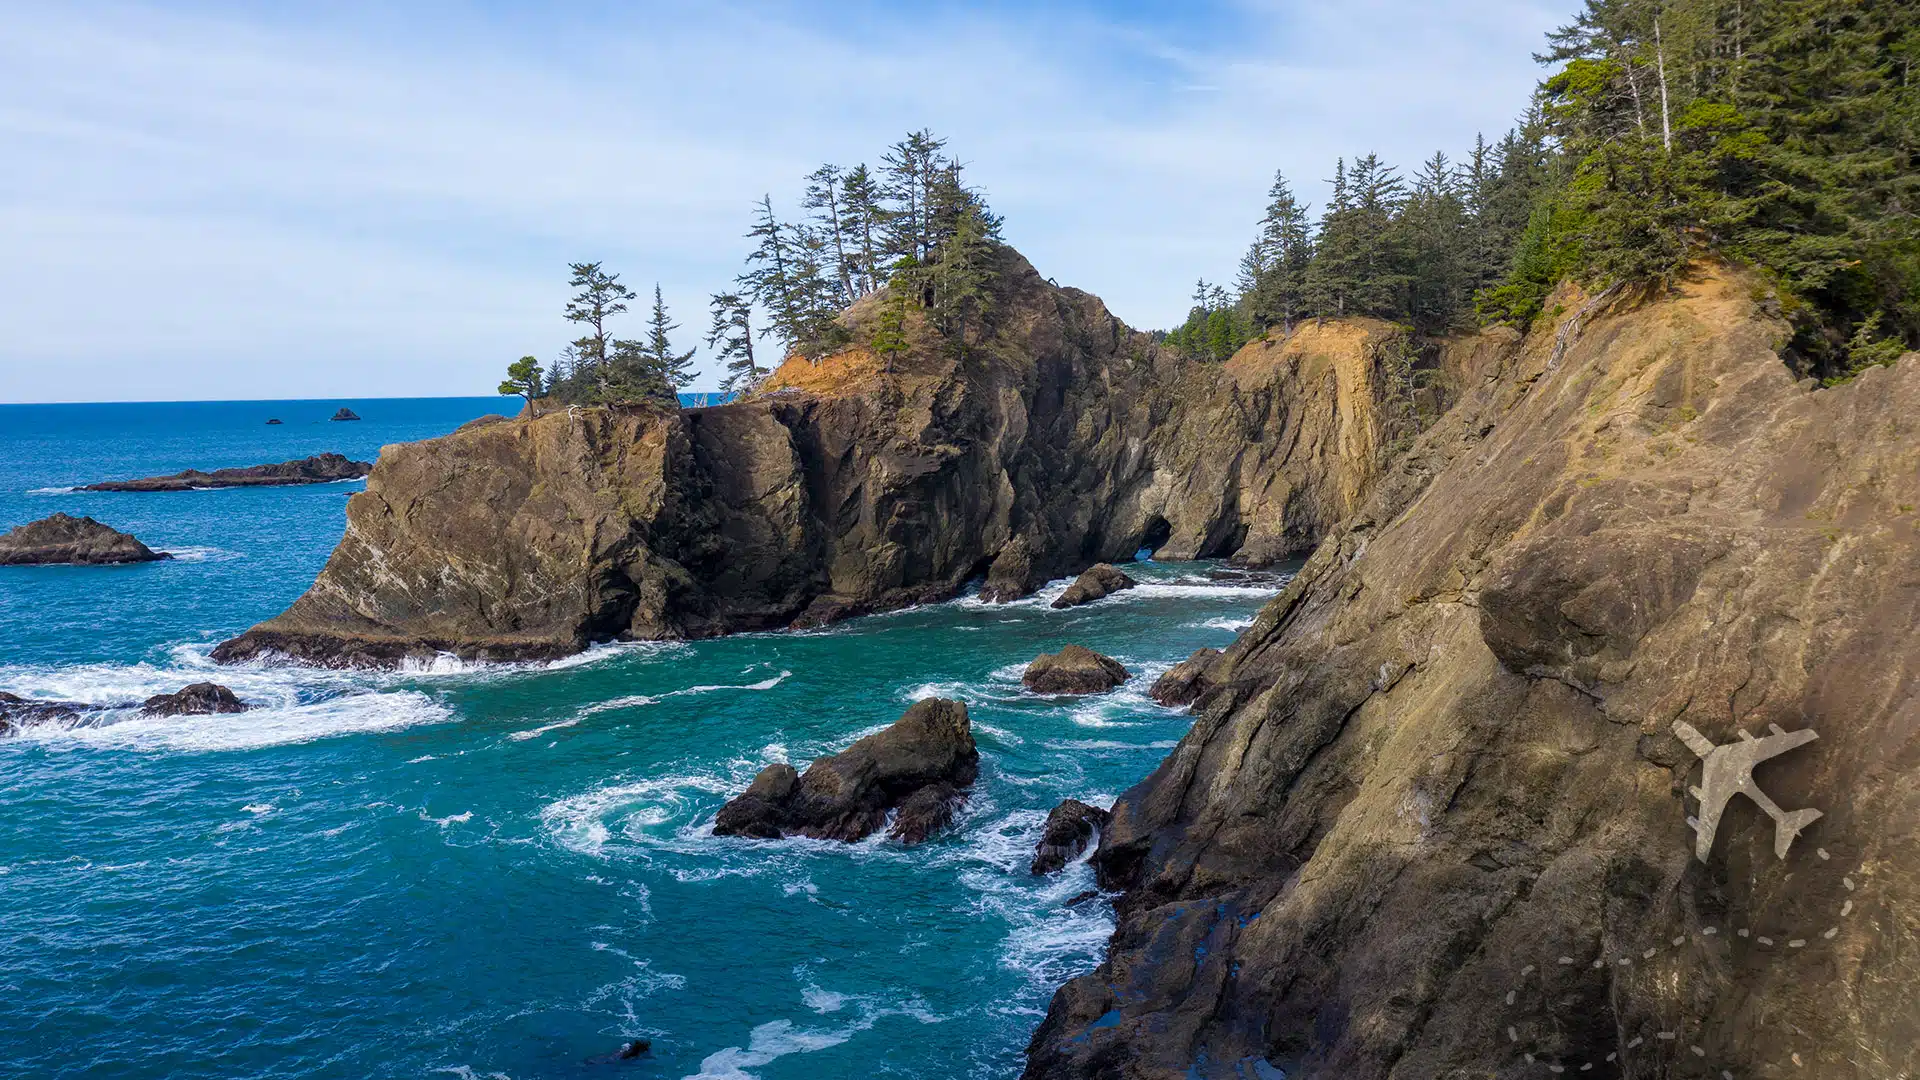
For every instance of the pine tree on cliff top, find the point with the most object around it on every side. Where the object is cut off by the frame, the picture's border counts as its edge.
(672, 369)
(731, 338)
(600, 298)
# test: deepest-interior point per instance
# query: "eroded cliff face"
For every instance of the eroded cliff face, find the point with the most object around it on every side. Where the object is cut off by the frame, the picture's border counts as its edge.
(1432, 819)
(1063, 440)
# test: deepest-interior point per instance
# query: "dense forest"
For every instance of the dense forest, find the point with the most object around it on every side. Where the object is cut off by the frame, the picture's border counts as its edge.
(1782, 135)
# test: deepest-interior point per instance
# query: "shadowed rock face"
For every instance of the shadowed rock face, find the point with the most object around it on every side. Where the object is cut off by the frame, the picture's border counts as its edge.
(1071, 826)
(1075, 669)
(1432, 817)
(919, 766)
(318, 469)
(66, 539)
(1186, 681)
(1063, 440)
(1096, 583)
(199, 699)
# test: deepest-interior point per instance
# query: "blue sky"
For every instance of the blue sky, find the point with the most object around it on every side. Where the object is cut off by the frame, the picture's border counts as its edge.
(209, 200)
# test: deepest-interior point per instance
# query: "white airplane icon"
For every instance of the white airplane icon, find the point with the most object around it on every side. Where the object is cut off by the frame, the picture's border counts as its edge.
(1729, 772)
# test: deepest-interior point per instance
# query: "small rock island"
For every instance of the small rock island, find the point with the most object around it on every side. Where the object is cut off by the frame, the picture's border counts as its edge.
(66, 540)
(345, 414)
(318, 469)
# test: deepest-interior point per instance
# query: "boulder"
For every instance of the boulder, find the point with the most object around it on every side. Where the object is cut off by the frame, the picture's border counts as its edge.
(318, 469)
(1071, 827)
(1186, 681)
(75, 540)
(345, 414)
(200, 699)
(1101, 580)
(921, 765)
(1074, 670)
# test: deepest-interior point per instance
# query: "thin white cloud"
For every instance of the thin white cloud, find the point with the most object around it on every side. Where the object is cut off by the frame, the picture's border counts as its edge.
(228, 205)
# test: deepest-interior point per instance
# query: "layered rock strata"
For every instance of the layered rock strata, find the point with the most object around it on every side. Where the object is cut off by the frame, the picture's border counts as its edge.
(917, 770)
(1433, 818)
(64, 539)
(1060, 440)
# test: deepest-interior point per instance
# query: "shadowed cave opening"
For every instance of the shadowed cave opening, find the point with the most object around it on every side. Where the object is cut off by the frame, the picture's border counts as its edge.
(1157, 533)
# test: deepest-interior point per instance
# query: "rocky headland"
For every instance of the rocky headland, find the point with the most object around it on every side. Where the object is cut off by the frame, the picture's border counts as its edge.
(917, 770)
(1432, 819)
(849, 486)
(63, 539)
(318, 469)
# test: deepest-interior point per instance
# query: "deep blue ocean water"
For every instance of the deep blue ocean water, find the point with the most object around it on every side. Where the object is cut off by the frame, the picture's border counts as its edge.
(501, 872)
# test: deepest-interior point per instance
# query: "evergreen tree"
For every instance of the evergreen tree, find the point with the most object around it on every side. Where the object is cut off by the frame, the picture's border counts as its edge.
(668, 369)
(963, 274)
(523, 379)
(1434, 238)
(866, 217)
(824, 194)
(1274, 270)
(600, 298)
(912, 168)
(731, 338)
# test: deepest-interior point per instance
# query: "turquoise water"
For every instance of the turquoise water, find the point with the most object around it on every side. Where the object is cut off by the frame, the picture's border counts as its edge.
(504, 871)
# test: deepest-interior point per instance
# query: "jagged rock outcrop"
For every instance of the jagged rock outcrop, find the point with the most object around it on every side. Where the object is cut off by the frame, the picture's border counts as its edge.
(1061, 440)
(1070, 827)
(318, 469)
(1186, 681)
(65, 539)
(17, 713)
(1075, 669)
(1097, 582)
(198, 699)
(1433, 819)
(918, 768)
(344, 413)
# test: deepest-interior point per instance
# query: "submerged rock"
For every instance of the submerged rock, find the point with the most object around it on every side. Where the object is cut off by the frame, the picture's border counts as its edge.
(1074, 670)
(629, 1051)
(1102, 580)
(1071, 826)
(921, 765)
(345, 414)
(318, 469)
(199, 699)
(81, 541)
(1186, 681)
(17, 713)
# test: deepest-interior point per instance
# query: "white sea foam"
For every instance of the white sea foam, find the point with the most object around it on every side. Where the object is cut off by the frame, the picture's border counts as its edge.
(450, 819)
(632, 811)
(534, 733)
(637, 700)
(267, 726)
(779, 1038)
(193, 553)
(53, 490)
(1224, 622)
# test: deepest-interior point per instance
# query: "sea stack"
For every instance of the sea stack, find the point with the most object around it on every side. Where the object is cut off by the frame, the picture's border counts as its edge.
(920, 765)
(1075, 669)
(66, 540)
(346, 414)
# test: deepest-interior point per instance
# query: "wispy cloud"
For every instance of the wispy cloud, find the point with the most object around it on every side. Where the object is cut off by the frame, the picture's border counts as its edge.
(211, 201)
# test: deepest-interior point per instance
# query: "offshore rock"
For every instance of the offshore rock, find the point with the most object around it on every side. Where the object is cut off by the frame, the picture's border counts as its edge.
(1071, 826)
(318, 469)
(18, 713)
(1432, 819)
(1075, 669)
(920, 765)
(1059, 440)
(344, 413)
(199, 699)
(1185, 682)
(1096, 583)
(64, 539)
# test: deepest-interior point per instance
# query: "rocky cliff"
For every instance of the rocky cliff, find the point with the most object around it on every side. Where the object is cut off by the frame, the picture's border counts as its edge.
(1433, 817)
(1061, 439)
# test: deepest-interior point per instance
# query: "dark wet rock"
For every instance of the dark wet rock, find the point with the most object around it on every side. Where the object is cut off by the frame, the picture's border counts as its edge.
(199, 699)
(1071, 826)
(345, 414)
(1097, 582)
(1082, 897)
(64, 539)
(629, 1051)
(318, 469)
(1252, 579)
(920, 765)
(17, 713)
(1073, 670)
(274, 420)
(1186, 681)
